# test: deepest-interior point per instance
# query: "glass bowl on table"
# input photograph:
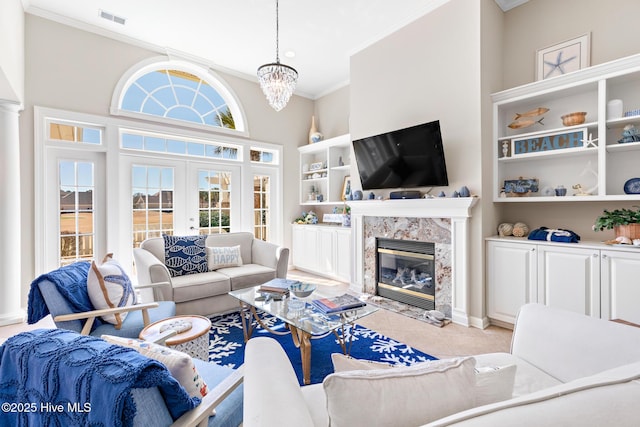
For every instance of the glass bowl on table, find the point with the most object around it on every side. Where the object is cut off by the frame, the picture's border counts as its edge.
(302, 290)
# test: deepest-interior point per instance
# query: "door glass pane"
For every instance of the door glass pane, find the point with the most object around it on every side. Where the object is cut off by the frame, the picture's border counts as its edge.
(151, 202)
(261, 204)
(214, 207)
(76, 222)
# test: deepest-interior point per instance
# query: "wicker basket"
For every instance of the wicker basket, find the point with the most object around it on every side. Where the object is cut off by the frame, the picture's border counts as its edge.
(632, 231)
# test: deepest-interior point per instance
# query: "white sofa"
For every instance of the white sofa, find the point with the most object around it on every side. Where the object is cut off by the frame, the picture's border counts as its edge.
(207, 293)
(571, 370)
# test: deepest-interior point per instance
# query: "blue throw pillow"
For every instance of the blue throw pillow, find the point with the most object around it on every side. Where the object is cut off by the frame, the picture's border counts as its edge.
(185, 254)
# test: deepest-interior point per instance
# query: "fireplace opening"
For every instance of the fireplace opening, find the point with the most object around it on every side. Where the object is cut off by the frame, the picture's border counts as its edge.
(405, 271)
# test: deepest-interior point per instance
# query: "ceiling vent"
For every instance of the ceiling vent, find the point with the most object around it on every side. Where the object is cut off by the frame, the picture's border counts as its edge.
(113, 18)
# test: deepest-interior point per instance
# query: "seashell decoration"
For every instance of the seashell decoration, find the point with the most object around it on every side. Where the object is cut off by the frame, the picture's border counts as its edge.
(520, 229)
(505, 229)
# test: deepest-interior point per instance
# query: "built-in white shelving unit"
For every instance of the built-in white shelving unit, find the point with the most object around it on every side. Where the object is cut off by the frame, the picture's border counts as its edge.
(323, 168)
(603, 167)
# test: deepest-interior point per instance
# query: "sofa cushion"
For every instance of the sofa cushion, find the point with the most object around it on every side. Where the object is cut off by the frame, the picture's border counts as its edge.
(223, 256)
(109, 286)
(248, 275)
(418, 394)
(229, 411)
(316, 402)
(528, 378)
(608, 398)
(494, 383)
(196, 286)
(185, 255)
(178, 363)
(590, 336)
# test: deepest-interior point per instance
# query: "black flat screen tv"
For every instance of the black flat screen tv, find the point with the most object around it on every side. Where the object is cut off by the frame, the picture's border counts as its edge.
(405, 158)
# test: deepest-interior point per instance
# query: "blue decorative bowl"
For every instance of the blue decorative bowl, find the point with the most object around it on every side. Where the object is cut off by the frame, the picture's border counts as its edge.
(302, 290)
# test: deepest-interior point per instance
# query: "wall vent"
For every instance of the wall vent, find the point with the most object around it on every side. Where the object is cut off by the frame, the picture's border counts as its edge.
(113, 18)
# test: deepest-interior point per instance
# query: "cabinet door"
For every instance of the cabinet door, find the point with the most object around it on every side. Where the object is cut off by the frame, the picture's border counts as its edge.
(343, 255)
(620, 285)
(305, 248)
(326, 251)
(569, 278)
(511, 278)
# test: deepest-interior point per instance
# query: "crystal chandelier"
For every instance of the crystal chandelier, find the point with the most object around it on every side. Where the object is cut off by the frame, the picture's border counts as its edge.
(277, 80)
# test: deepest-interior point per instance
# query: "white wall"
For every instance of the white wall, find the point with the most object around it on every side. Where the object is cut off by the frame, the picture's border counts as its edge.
(332, 113)
(491, 42)
(76, 70)
(430, 70)
(613, 25)
(11, 51)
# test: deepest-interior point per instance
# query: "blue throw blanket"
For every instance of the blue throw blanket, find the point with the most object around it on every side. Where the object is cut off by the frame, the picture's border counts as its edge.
(61, 378)
(554, 235)
(71, 282)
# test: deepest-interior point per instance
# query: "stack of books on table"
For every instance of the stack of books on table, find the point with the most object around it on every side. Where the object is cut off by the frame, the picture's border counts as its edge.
(337, 304)
(277, 286)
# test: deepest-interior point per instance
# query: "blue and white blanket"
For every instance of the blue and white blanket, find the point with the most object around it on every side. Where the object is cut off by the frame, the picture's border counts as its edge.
(71, 282)
(554, 235)
(54, 377)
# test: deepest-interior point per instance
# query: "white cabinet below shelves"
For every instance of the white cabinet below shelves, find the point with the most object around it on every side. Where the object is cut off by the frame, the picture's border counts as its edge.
(584, 278)
(569, 278)
(620, 288)
(511, 278)
(323, 250)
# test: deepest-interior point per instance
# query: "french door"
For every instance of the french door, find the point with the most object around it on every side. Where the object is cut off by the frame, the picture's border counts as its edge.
(75, 200)
(176, 197)
(213, 198)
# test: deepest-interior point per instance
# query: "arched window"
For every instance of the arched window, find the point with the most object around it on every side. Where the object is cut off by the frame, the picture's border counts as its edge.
(172, 90)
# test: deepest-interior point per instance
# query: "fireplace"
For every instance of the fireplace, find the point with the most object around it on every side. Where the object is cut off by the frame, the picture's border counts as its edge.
(441, 220)
(406, 271)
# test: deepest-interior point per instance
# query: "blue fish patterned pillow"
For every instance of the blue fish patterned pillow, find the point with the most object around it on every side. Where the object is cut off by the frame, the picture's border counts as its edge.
(185, 254)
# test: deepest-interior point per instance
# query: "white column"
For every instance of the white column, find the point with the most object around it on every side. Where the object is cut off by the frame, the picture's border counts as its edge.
(10, 249)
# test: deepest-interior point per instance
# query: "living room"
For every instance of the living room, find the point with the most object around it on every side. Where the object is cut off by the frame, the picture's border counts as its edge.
(442, 66)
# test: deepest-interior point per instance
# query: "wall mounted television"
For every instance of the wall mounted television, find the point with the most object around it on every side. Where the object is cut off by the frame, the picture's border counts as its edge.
(405, 158)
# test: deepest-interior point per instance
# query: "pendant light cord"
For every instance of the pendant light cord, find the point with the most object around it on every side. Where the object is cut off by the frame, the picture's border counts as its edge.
(277, 35)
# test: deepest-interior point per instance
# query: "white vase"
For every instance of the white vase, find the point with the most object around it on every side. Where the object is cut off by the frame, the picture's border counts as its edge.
(614, 109)
(314, 135)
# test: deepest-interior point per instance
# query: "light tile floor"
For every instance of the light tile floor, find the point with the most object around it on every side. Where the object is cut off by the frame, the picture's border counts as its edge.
(448, 341)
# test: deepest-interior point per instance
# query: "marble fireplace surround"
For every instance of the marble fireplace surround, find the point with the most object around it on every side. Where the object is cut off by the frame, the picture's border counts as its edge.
(444, 221)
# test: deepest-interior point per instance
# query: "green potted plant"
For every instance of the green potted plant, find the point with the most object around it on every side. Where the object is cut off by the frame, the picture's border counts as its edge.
(625, 222)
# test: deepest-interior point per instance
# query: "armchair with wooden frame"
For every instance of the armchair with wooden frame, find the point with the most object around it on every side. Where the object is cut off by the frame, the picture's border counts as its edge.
(48, 298)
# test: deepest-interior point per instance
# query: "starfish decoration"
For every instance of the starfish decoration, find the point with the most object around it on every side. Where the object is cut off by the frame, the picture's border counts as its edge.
(590, 142)
(558, 64)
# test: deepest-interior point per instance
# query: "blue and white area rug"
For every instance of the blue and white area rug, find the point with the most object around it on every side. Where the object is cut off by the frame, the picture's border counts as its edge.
(226, 346)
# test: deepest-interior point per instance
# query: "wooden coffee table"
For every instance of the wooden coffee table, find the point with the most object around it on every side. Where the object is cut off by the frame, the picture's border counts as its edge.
(303, 326)
(193, 341)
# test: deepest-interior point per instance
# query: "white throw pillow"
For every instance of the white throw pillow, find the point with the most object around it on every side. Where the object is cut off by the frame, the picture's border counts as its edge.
(178, 363)
(494, 384)
(109, 286)
(403, 396)
(223, 256)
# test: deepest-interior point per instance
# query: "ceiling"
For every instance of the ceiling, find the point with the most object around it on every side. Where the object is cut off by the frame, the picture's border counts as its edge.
(238, 36)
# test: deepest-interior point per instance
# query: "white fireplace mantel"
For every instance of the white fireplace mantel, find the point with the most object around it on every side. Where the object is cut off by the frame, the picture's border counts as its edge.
(457, 209)
(437, 207)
